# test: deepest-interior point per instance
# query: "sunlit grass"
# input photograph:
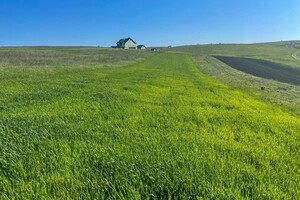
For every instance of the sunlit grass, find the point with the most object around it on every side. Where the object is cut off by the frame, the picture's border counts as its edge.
(157, 129)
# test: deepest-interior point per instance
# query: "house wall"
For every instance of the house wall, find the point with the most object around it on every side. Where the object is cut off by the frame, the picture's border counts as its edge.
(129, 44)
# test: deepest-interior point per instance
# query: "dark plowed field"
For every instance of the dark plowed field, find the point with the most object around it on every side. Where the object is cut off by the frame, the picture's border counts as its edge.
(263, 69)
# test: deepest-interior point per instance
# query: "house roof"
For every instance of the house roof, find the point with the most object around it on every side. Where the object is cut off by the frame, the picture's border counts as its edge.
(120, 41)
(139, 46)
(125, 40)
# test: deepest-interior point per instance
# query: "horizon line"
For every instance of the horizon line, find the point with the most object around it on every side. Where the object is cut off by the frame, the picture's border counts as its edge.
(198, 44)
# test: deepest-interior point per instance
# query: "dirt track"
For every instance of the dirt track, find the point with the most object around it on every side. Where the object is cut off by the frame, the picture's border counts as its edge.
(263, 69)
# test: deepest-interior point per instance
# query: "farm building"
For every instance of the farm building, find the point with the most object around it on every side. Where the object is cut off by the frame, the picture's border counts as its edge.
(127, 43)
(141, 47)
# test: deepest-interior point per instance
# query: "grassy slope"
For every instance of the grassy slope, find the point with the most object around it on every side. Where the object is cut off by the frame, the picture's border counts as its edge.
(284, 95)
(276, 52)
(159, 128)
(64, 57)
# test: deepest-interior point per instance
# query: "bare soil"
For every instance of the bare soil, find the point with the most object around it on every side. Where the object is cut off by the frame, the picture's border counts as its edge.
(263, 69)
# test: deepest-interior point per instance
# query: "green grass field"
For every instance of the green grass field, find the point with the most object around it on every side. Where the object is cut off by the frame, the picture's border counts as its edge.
(275, 52)
(151, 127)
(284, 95)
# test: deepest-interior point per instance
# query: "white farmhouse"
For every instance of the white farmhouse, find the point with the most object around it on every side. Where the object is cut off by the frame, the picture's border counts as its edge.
(127, 43)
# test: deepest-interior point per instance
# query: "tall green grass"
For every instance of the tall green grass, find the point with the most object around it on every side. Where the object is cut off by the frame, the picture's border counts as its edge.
(158, 129)
(284, 95)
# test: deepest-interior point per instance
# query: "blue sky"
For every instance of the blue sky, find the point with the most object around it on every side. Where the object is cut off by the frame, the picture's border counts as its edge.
(149, 22)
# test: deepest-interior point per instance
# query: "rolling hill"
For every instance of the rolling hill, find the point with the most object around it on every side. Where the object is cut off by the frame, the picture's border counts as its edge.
(270, 90)
(92, 123)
